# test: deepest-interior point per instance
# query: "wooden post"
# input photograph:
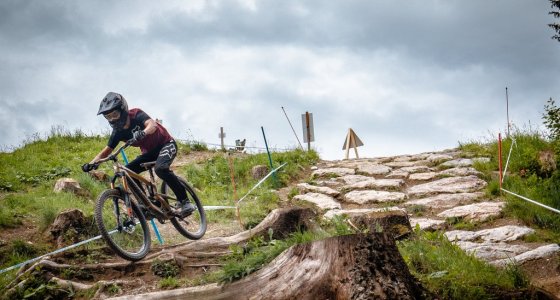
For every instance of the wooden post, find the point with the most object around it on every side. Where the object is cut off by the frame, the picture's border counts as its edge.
(222, 136)
(348, 140)
(308, 131)
(355, 146)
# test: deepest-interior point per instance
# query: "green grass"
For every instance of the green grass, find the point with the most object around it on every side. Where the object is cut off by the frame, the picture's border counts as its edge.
(18, 251)
(28, 174)
(258, 252)
(212, 181)
(449, 272)
(169, 283)
(524, 176)
(165, 269)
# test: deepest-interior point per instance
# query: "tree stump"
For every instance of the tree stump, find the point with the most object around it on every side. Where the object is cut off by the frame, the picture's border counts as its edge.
(67, 226)
(99, 175)
(395, 223)
(347, 267)
(259, 171)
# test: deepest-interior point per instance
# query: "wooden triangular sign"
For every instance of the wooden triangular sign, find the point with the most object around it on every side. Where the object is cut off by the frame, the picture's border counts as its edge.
(352, 139)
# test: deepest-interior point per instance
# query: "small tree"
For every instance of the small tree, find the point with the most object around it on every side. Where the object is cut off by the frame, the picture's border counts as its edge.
(551, 119)
(555, 4)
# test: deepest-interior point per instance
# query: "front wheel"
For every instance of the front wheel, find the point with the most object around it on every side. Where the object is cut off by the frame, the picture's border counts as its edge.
(192, 226)
(126, 233)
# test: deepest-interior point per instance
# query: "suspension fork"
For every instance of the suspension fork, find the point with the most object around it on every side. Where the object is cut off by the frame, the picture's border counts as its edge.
(123, 190)
(126, 195)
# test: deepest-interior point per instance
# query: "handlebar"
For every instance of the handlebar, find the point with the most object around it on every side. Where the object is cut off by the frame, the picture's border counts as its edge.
(112, 156)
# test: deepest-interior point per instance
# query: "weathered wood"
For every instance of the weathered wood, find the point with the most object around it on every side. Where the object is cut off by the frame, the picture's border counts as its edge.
(282, 222)
(346, 267)
(396, 223)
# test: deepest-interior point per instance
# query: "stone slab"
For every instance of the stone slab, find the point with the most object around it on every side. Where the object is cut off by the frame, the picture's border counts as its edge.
(540, 252)
(444, 201)
(351, 179)
(357, 212)
(306, 187)
(492, 251)
(320, 200)
(463, 184)
(373, 169)
(426, 224)
(423, 176)
(478, 212)
(503, 234)
(372, 183)
(460, 171)
(461, 162)
(439, 158)
(372, 196)
(333, 172)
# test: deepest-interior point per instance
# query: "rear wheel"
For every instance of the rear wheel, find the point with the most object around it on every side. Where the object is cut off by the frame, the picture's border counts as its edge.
(128, 236)
(192, 226)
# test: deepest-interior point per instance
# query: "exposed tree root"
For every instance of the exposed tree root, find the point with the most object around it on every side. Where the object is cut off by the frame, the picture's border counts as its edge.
(280, 223)
(100, 286)
(348, 267)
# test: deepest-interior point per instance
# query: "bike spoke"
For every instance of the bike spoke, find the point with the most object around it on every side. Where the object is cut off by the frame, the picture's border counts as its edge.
(192, 226)
(125, 231)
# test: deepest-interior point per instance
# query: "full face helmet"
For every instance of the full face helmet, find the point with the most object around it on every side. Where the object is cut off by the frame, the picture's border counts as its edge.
(115, 109)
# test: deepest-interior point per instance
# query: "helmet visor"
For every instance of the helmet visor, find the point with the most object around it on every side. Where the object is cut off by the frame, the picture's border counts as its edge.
(113, 116)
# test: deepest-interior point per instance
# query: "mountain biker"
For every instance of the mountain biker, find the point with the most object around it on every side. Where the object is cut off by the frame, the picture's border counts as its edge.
(156, 144)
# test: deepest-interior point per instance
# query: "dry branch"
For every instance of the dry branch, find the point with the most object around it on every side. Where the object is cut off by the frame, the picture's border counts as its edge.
(282, 222)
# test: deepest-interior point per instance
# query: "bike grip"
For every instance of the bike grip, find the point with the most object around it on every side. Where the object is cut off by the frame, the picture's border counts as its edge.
(86, 167)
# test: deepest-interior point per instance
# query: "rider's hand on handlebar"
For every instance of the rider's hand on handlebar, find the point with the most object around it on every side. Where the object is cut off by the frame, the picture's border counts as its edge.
(138, 135)
(88, 167)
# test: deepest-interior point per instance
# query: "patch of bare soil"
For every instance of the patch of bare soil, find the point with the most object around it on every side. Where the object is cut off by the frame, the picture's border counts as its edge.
(544, 273)
(201, 156)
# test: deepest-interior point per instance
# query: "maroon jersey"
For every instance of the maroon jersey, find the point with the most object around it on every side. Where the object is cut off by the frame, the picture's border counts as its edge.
(137, 119)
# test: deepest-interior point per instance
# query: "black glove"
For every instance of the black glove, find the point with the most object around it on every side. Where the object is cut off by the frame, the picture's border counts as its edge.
(88, 167)
(138, 135)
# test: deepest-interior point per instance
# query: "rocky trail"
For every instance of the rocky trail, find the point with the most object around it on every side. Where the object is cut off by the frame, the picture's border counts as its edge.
(435, 188)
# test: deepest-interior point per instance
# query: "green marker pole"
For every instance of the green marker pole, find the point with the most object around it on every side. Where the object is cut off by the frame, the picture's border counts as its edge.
(269, 158)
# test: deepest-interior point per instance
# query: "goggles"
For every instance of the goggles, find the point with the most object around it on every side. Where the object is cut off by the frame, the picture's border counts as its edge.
(113, 116)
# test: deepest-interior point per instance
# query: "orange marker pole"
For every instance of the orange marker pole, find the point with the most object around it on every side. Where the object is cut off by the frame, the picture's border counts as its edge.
(231, 172)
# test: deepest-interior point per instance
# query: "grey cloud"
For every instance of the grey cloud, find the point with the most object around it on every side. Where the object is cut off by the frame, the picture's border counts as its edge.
(384, 67)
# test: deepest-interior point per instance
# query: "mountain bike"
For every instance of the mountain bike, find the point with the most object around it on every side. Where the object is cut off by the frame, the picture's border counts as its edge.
(121, 211)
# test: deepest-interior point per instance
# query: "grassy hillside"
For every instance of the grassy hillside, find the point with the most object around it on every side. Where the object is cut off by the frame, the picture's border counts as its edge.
(28, 204)
(528, 174)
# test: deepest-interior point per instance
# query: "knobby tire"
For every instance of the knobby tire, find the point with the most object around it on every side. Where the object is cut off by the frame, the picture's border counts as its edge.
(119, 240)
(192, 226)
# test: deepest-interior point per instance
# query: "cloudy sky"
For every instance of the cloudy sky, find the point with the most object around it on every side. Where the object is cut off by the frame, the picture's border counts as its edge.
(407, 76)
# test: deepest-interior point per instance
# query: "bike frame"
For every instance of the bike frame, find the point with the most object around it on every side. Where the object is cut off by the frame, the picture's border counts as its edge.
(127, 179)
